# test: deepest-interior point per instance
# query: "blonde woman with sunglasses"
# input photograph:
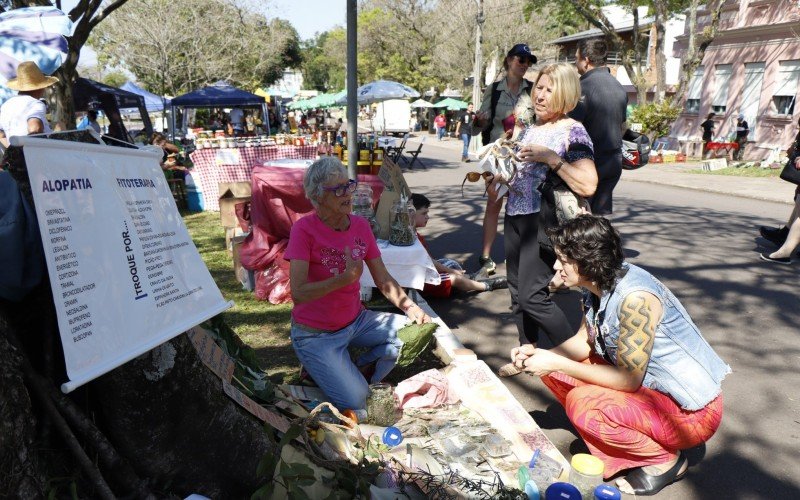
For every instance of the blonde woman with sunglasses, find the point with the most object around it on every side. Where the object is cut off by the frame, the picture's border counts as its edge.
(560, 145)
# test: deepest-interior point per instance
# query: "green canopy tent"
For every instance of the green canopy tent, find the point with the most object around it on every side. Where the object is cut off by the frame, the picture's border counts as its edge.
(451, 104)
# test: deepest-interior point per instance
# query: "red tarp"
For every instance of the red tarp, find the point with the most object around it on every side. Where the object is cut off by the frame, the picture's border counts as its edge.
(278, 200)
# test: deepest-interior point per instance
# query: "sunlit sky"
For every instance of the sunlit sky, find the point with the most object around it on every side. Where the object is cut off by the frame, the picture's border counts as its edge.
(307, 16)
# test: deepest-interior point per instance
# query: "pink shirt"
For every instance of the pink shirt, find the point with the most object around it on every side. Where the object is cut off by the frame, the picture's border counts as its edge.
(323, 248)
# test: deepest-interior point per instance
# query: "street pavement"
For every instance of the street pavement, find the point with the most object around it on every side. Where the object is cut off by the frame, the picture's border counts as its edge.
(699, 234)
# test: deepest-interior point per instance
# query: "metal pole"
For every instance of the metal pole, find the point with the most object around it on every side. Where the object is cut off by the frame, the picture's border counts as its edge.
(352, 85)
(476, 71)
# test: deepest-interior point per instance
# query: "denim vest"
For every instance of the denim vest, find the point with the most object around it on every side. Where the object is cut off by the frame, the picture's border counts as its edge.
(682, 364)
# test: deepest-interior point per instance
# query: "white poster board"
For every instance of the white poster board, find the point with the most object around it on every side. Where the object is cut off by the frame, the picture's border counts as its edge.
(126, 276)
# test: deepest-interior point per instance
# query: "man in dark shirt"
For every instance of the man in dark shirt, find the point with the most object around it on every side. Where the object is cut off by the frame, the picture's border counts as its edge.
(602, 110)
(742, 130)
(464, 129)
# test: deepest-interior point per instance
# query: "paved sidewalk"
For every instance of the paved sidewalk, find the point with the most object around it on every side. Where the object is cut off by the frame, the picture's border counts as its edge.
(671, 174)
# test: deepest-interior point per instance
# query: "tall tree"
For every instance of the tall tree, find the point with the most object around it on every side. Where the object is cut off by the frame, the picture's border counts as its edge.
(174, 46)
(86, 16)
(697, 44)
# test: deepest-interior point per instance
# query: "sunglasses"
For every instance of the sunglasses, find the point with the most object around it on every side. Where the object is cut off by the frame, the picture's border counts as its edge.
(524, 60)
(475, 177)
(348, 187)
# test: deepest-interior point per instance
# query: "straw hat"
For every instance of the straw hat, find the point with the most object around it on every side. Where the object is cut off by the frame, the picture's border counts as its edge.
(30, 77)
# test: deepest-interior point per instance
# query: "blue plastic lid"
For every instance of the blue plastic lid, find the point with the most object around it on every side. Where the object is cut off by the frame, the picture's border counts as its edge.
(562, 491)
(392, 436)
(607, 492)
(532, 491)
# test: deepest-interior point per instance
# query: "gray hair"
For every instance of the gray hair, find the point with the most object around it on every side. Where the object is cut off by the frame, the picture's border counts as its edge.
(320, 172)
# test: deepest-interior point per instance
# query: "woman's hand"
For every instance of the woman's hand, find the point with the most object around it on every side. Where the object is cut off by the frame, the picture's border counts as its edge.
(797, 163)
(417, 315)
(521, 353)
(535, 153)
(353, 268)
(543, 362)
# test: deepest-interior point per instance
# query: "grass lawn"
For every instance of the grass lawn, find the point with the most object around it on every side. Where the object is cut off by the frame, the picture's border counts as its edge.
(263, 326)
(741, 172)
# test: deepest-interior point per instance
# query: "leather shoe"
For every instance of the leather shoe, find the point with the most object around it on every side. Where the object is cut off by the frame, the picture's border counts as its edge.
(775, 235)
(777, 260)
(645, 484)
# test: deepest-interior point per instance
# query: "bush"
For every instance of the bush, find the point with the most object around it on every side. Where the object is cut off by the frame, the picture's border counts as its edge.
(656, 118)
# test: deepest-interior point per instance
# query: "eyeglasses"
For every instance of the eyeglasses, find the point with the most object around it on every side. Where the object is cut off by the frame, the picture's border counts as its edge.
(524, 60)
(342, 189)
(475, 177)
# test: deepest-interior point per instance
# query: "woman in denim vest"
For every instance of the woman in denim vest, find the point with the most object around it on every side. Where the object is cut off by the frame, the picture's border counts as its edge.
(650, 385)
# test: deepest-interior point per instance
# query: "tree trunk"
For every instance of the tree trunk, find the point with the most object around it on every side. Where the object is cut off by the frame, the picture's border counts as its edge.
(641, 90)
(164, 412)
(20, 475)
(698, 43)
(661, 62)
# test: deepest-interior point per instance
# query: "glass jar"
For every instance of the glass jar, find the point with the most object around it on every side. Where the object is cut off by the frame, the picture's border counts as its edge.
(403, 232)
(381, 406)
(586, 473)
(362, 200)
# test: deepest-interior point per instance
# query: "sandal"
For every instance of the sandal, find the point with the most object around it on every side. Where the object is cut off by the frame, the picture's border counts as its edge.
(508, 370)
(645, 484)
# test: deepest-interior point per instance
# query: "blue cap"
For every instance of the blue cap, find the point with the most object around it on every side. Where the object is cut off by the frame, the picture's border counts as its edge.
(607, 492)
(562, 491)
(392, 436)
(522, 50)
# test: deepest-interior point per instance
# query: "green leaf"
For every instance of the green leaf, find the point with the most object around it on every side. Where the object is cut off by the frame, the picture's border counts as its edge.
(266, 466)
(263, 492)
(415, 340)
(292, 432)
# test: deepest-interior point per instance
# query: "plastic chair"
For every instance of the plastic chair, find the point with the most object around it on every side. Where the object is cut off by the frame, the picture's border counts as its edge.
(394, 152)
(414, 155)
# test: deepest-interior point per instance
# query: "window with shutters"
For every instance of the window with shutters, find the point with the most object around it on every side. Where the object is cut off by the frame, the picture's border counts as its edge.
(722, 80)
(693, 94)
(785, 93)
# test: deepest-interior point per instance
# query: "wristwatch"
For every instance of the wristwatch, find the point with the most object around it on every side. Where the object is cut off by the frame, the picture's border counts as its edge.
(558, 166)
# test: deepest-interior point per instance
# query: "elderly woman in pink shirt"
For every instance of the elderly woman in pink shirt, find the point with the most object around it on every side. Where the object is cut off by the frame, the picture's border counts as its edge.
(327, 250)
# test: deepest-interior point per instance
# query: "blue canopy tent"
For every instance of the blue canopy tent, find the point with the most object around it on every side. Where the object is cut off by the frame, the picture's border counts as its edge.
(152, 101)
(219, 95)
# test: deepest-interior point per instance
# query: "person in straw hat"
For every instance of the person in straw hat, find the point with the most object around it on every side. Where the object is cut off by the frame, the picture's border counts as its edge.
(24, 114)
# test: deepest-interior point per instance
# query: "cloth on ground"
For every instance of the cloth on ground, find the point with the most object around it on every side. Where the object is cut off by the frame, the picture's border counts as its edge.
(425, 390)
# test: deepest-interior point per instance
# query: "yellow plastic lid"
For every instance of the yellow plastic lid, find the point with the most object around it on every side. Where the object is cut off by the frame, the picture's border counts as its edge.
(587, 464)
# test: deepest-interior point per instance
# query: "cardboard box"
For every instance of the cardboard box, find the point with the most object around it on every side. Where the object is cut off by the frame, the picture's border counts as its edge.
(230, 234)
(230, 194)
(243, 276)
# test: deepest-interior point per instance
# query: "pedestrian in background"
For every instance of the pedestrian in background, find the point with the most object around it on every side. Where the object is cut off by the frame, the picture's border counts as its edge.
(708, 131)
(440, 122)
(742, 130)
(464, 130)
(602, 111)
(24, 114)
(505, 102)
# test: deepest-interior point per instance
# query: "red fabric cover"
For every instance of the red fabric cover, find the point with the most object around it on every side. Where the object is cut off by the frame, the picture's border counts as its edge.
(278, 200)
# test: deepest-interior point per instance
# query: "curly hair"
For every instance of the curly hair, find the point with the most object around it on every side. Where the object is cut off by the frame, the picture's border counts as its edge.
(594, 245)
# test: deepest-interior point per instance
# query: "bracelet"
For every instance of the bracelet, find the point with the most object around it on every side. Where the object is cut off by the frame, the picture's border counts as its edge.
(558, 166)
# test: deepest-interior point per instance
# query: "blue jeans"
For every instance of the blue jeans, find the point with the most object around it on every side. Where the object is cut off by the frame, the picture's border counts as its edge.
(327, 359)
(440, 132)
(465, 138)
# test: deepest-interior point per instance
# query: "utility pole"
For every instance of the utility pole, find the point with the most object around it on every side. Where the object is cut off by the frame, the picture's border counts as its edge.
(476, 71)
(352, 84)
